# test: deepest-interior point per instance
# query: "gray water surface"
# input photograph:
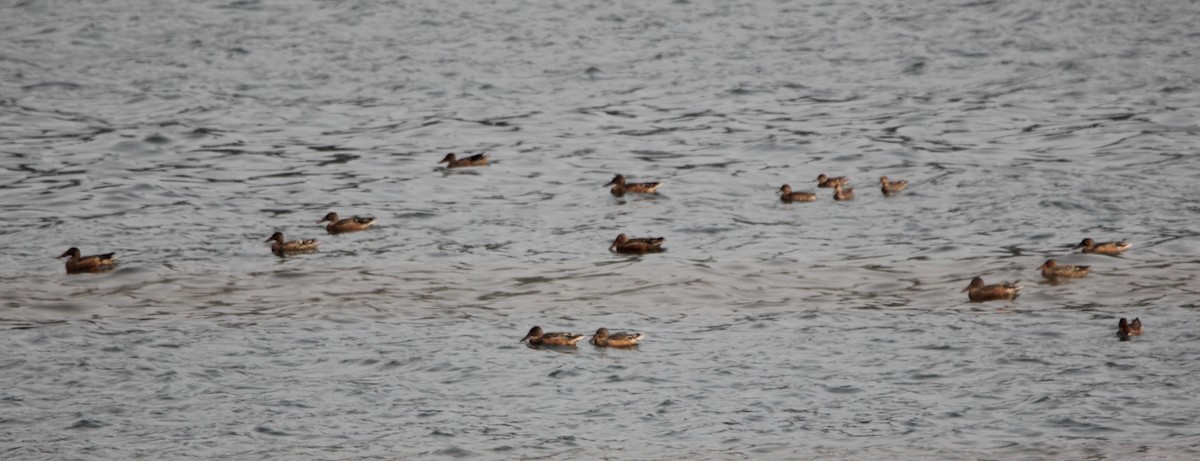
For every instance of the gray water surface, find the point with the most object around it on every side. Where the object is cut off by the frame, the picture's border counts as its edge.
(182, 134)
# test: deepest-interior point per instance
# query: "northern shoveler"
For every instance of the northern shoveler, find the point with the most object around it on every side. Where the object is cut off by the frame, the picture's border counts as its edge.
(891, 188)
(620, 187)
(337, 226)
(624, 244)
(280, 247)
(1104, 248)
(603, 338)
(537, 337)
(475, 160)
(1051, 270)
(786, 194)
(96, 263)
(979, 292)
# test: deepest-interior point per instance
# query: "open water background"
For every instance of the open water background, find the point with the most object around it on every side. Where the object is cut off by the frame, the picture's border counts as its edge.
(180, 134)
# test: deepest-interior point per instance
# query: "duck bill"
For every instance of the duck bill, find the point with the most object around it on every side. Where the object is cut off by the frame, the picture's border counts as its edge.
(964, 290)
(1077, 246)
(526, 337)
(610, 183)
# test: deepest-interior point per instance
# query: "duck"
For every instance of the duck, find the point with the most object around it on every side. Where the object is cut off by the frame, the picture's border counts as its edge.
(280, 247)
(624, 244)
(475, 160)
(1125, 329)
(978, 292)
(1104, 248)
(1051, 270)
(96, 263)
(620, 187)
(337, 226)
(842, 194)
(537, 337)
(786, 194)
(602, 338)
(891, 188)
(826, 181)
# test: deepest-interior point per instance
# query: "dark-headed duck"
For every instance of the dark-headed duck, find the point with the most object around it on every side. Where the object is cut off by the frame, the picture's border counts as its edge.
(624, 244)
(620, 187)
(1125, 329)
(1103, 248)
(475, 160)
(1051, 270)
(603, 338)
(979, 292)
(786, 194)
(537, 337)
(281, 247)
(96, 263)
(337, 226)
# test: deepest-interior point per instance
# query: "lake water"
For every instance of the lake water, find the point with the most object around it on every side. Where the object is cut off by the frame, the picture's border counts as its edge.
(181, 134)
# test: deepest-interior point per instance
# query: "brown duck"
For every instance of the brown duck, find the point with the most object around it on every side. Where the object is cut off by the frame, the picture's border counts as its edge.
(842, 194)
(826, 181)
(337, 226)
(475, 160)
(1126, 329)
(891, 188)
(1104, 248)
(620, 187)
(97, 263)
(1051, 270)
(537, 337)
(786, 194)
(624, 244)
(979, 292)
(602, 338)
(280, 247)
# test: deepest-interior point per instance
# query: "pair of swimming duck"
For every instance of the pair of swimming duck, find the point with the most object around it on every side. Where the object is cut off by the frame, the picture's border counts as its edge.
(602, 338)
(282, 246)
(978, 291)
(1125, 329)
(1051, 270)
(840, 191)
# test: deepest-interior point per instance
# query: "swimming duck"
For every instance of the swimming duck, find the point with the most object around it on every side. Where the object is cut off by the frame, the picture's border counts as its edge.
(1051, 270)
(842, 194)
(620, 187)
(1105, 248)
(603, 339)
(891, 188)
(979, 292)
(1126, 329)
(826, 181)
(475, 160)
(538, 338)
(786, 194)
(96, 263)
(337, 226)
(281, 247)
(624, 244)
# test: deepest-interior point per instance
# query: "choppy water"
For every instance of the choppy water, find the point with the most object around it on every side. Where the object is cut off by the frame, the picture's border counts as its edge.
(181, 134)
